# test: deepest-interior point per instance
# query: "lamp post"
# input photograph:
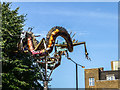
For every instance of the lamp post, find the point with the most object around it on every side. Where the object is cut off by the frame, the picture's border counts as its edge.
(76, 71)
(76, 77)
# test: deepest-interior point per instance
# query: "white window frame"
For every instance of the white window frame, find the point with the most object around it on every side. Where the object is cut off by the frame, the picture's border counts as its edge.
(110, 77)
(91, 81)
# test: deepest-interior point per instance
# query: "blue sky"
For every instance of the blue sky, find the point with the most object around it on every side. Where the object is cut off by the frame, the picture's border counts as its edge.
(60, 0)
(95, 23)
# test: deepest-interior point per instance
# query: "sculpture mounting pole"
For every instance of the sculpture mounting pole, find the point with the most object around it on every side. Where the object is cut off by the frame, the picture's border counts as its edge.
(45, 82)
(76, 77)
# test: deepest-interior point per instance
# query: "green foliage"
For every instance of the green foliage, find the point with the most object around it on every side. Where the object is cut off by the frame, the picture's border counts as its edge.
(17, 69)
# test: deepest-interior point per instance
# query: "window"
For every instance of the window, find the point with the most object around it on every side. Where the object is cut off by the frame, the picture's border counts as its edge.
(110, 77)
(91, 81)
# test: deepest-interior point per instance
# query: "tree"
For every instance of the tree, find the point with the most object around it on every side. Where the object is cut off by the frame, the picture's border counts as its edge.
(17, 67)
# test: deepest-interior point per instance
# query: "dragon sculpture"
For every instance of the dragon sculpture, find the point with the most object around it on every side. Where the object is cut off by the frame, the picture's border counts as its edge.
(44, 48)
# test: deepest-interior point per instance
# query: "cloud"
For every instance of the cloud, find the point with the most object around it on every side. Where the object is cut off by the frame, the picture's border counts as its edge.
(82, 33)
(77, 32)
(102, 15)
(103, 45)
(83, 13)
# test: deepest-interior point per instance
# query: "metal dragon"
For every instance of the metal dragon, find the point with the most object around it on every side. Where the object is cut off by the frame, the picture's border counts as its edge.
(44, 48)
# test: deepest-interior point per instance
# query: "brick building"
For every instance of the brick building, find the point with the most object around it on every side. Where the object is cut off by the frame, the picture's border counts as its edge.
(98, 78)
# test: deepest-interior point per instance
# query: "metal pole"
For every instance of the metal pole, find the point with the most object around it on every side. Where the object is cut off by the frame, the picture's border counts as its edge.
(76, 71)
(76, 77)
(45, 82)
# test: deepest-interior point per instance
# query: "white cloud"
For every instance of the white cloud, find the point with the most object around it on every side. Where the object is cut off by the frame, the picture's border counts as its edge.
(103, 15)
(95, 14)
(103, 45)
(82, 33)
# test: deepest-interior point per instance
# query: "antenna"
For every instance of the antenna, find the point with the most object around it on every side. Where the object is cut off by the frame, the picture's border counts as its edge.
(70, 32)
(73, 34)
(30, 28)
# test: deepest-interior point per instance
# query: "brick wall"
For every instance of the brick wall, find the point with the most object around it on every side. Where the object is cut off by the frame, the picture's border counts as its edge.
(98, 73)
(89, 73)
(107, 83)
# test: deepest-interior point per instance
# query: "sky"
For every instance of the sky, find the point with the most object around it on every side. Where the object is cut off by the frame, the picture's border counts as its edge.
(96, 23)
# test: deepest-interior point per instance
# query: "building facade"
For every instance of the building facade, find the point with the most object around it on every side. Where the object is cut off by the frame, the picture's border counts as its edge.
(97, 78)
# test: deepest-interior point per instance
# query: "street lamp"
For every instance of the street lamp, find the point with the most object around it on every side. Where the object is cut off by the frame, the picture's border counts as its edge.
(76, 71)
